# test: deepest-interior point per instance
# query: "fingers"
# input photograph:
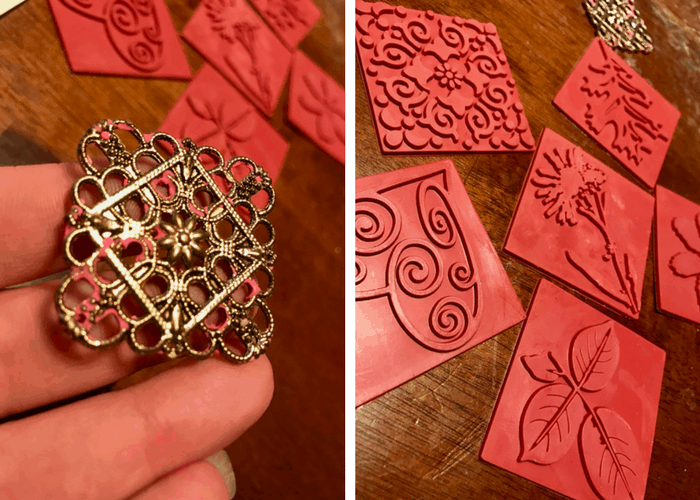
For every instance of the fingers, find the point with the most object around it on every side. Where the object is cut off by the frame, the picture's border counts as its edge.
(34, 200)
(39, 364)
(113, 445)
(200, 480)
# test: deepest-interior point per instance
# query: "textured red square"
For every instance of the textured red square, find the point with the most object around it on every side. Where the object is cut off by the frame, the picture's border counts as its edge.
(677, 255)
(120, 37)
(577, 411)
(428, 282)
(291, 19)
(582, 222)
(213, 113)
(317, 106)
(438, 83)
(620, 110)
(233, 39)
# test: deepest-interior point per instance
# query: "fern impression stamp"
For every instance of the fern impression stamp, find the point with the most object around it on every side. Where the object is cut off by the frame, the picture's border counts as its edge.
(233, 39)
(291, 19)
(677, 255)
(211, 111)
(428, 282)
(620, 110)
(582, 222)
(581, 395)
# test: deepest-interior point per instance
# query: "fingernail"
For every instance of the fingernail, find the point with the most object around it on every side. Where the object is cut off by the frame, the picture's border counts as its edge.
(222, 463)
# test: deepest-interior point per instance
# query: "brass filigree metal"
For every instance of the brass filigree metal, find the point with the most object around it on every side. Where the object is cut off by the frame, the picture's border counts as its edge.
(162, 247)
(620, 24)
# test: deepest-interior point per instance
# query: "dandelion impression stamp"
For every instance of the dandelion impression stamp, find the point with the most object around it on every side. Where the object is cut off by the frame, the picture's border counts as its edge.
(233, 39)
(577, 411)
(620, 110)
(677, 255)
(428, 282)
(438, 83)
(583, 223)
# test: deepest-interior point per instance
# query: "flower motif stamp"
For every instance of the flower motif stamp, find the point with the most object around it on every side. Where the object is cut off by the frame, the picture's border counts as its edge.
(620, 110)
(438, 83)
(580, 221)
(677, 255)
(317, 106)
(578, 407)
(291, 19)
(428, 283)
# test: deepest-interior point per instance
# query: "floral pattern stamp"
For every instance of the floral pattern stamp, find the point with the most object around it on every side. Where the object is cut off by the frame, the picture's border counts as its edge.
(438, 83)
(317, 106)
(586, 391)
(580, 221)
(291, 19)
(620, 110)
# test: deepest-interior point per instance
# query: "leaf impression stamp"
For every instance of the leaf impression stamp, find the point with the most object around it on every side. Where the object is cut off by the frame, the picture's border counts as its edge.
(581, 395)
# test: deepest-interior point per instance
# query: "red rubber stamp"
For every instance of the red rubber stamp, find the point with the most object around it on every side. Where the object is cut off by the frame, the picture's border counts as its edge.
(291, 19)
(428, 282)
(578, 407)
(580, 221)
(438, 83)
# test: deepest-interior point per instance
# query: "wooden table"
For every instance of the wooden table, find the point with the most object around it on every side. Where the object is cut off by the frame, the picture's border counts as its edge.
(422, 439)
(297, 449)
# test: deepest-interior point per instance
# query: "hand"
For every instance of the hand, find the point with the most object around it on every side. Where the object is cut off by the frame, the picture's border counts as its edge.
(147, 441)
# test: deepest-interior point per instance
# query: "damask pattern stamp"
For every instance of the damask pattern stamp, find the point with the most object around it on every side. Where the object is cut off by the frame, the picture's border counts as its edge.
(233, 39)
(578, 407)
(212, 112)
(583, 223)
(317, 106)
(677, 255)
(620, 110)
(120, 37)
(438, 83)
(428, 282)
(291, 19)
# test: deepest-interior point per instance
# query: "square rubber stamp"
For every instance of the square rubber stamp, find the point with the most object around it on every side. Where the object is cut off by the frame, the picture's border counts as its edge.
(428, 282)
(677, 255)
(438, 84)
(577, 411)
(620, 110)
(580, 221)
(291, 19)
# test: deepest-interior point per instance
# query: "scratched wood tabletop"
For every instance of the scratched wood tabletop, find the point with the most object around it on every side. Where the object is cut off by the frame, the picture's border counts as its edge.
(297, 449)
(422, 439)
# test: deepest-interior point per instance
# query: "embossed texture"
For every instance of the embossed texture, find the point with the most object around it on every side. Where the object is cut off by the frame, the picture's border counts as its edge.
(210, 111)
(582, 392)
(291, 19)
(164, 252)
(583, 223)
(620, 110)
(438, 83)
(620, 24)
(233, 39)
(677, 255)
(428, 283)
(317, 106)
(120, 37)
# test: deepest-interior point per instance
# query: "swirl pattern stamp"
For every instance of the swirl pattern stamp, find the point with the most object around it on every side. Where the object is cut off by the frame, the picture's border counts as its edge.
(317, 106)
(437, 83)
(233, 39)
(578, 407)
(211, 111)
(620, 110)
(581, 222)
(291, 19)
(120, 37)
(677, 255)
(428, 282)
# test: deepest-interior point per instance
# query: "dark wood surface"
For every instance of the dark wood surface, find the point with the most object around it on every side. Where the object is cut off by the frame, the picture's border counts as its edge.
(422, 439)
(297, 449)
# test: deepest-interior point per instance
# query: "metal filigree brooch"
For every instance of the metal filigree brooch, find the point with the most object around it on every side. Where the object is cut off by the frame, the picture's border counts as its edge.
(620, 24)
(169, 246)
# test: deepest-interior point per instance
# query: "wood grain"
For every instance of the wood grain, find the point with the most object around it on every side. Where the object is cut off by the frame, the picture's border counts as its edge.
(422, 439)
(297, 449)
